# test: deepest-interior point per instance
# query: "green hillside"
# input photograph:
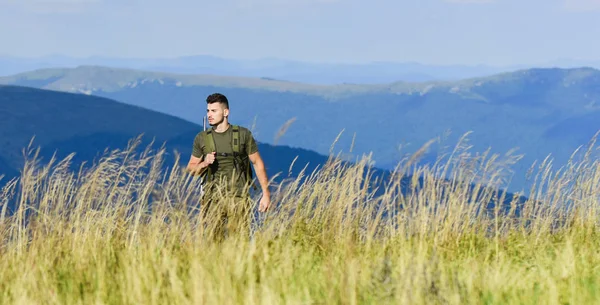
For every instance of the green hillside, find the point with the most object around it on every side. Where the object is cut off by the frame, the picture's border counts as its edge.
(90, 79)
(540, 112)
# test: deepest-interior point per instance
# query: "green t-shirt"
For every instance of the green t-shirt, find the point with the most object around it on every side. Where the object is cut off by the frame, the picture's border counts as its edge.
(223, 166)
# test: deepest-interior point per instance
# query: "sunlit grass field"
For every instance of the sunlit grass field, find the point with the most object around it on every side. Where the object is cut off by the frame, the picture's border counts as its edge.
(125, 231)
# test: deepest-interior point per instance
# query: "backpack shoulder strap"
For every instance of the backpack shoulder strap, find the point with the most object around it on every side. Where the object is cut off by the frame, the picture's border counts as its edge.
(236, 139)
(209, 142)
(236, 143)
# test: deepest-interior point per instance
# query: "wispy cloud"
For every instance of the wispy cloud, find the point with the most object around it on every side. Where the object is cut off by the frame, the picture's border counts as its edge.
(281, 3)
(50, 6)
(470, 1)
(582, 5)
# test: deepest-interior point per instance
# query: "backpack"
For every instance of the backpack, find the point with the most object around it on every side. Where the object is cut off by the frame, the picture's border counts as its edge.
(241, 161)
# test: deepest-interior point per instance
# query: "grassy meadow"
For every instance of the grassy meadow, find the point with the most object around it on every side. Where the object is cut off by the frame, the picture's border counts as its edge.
(124, 231)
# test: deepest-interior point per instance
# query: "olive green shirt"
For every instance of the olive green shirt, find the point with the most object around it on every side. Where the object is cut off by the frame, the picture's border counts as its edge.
(223, 166)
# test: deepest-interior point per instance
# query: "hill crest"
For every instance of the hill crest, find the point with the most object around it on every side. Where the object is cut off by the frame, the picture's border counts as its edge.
(89, 79)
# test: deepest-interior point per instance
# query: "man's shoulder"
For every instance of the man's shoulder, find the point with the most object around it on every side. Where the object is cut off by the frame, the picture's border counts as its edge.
(200, 135)
(243, 130)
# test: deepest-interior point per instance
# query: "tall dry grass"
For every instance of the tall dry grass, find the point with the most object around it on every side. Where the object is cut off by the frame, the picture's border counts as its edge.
(124, 231)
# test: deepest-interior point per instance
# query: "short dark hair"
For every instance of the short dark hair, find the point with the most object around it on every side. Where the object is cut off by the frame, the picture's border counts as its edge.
(218, 98)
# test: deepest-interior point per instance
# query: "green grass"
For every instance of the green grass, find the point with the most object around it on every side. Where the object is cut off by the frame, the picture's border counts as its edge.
(81, 238)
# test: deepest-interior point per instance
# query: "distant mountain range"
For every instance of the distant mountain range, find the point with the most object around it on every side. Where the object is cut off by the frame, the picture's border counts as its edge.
(270, 68)
(287, 70)
(538, 111)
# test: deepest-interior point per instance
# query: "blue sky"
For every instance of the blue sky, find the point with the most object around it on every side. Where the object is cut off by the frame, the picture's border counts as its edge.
(494, 32)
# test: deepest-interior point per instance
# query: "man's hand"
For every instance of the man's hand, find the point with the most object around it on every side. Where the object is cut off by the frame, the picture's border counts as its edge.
(265, 202)
(196, 166)
(210, 158)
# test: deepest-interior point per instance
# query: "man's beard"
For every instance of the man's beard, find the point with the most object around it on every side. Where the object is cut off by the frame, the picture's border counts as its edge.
(215, 123)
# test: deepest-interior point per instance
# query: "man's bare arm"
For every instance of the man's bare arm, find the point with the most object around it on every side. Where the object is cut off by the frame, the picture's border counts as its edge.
(261, 172)
(196, 166)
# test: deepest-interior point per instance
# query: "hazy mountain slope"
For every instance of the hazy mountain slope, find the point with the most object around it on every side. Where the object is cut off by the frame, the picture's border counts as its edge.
(66, 123)
(7, 171)
(63, 123)
(523, 109)
(55, 116)
(90, 79)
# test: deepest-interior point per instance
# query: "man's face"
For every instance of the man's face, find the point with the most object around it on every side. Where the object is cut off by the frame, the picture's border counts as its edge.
(216, 113)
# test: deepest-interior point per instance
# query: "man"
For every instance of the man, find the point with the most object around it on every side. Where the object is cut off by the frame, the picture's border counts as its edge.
(222, 155)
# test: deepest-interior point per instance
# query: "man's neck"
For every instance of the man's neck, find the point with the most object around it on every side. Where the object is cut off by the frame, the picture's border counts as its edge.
(222, 127)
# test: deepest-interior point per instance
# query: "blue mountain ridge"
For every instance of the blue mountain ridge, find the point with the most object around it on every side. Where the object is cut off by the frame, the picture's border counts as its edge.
(62, 123)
